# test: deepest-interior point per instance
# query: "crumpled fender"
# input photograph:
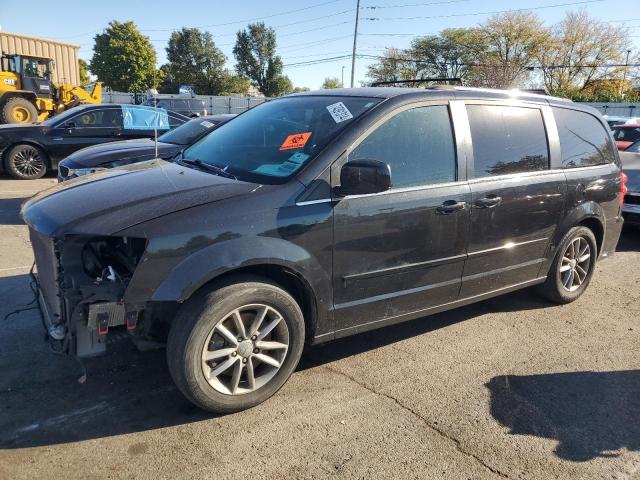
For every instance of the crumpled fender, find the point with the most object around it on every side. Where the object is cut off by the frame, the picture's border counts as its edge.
(202, 266)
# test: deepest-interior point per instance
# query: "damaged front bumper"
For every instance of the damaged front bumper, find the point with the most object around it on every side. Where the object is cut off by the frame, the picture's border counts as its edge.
(81, 282)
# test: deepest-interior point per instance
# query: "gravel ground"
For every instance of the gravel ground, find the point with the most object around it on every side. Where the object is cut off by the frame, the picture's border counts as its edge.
(513, 387)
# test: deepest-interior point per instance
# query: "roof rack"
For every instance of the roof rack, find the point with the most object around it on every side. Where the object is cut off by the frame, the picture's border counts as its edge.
(443, 81)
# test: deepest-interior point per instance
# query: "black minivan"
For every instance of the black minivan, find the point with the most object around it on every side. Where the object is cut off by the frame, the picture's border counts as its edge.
(321, 215)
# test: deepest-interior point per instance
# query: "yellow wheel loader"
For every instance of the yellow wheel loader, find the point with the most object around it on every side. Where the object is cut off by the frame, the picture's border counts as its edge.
(27, 94)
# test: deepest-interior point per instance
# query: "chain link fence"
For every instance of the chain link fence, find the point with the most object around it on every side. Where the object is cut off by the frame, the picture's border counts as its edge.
(616, 109)
(214, 104)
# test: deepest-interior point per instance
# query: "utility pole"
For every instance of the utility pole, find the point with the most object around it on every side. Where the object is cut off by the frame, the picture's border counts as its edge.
(342, 82)
(626, 66)
(624, 75)
(355, 40)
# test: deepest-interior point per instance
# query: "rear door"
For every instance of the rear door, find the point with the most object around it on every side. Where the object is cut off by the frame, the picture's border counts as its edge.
(402, 251)
(517, 199)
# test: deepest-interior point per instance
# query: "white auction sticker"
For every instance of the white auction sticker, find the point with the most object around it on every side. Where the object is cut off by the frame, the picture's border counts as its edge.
(339, 112)
(206, 124)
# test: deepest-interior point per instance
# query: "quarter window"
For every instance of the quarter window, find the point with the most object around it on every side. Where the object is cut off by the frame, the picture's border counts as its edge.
(583, 139)
(417, 144)
(507, 140)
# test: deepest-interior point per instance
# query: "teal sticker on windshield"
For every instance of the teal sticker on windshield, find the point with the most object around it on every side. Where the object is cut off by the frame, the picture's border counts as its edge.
(298, 158)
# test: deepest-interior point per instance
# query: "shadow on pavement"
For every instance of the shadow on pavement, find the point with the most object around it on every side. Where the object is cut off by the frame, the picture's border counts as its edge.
(590, 414)
(9, 211)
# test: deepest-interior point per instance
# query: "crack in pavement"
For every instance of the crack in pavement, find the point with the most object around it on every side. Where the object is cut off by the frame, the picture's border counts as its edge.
(439, 431)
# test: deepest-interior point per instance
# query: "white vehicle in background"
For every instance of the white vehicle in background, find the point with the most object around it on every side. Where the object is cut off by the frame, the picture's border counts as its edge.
(613, 120)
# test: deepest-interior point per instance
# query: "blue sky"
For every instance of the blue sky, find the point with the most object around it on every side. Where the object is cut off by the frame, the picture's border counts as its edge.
(306, 29)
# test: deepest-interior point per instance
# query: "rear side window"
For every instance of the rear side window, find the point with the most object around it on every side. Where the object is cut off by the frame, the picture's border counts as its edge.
(417, 144)
(583, 139)
(507, 140)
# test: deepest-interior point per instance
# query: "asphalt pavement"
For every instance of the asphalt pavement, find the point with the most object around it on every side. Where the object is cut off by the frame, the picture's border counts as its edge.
(513, 387)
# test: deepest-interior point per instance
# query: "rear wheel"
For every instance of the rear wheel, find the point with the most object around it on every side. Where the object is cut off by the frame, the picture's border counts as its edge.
(18, 110)
(572, 267)
(26, 162)
(233, 347)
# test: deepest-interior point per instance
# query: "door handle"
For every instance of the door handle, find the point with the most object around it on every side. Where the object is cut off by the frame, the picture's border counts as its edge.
(450, 206)
(489, 201)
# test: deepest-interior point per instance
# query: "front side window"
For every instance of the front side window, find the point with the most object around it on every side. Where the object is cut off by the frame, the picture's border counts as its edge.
(417, 144)
(507, 140)
(274, 140)
(106, 118)
(35, 67)
(583, 139)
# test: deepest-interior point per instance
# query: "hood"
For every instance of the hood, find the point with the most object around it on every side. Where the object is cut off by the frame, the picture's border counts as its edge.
(138, 150)
(107, 202)
(631, 168)
(622, 145)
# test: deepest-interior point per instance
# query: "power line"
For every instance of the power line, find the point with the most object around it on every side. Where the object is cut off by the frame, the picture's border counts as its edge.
(445, 2)
(232, 22)
(451, 15)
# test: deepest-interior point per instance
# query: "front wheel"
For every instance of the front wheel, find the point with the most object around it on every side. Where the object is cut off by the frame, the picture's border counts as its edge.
(234, 346)
(26, 162)
(572, 267)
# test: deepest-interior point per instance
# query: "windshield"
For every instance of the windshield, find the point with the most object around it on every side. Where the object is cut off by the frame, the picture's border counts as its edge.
(275, 139)
(626, 134)
(189, 132)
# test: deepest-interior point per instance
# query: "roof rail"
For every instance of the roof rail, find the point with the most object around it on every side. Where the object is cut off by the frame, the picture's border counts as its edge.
(440, 81)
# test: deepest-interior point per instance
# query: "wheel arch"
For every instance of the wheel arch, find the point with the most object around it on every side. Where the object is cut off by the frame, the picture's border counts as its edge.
(283, 276)
(27, 95)
(5, 152)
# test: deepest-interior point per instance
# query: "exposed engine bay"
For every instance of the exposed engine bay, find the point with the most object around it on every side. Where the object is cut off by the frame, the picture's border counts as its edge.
(87, 302)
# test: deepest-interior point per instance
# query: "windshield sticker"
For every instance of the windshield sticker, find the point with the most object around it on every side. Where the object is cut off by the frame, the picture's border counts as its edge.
(297, 140)
(339, 112)
(298, 158)
(206, 124)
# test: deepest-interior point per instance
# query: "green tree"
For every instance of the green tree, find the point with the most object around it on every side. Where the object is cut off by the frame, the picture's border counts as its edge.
(446, 55)
(580, 45)
(331, 82)
(124, 59)
(255, 53)
(395, 64)
(83, 70)
(194, 59)
(504, 47)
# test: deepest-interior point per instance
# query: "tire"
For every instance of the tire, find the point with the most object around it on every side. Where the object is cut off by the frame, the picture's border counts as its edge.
(196, 333)
(18, 110)
(559, 286)
(26, 162)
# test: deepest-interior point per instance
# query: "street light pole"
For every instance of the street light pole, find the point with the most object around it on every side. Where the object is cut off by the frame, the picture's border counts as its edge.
(355, 40)
(626, 66)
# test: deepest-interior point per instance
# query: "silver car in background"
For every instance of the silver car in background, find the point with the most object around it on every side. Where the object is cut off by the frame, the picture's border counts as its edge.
(631, 167)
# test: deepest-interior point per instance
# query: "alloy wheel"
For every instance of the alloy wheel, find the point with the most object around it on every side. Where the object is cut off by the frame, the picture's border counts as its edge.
(28, 162)
(245, 349)
(575, 265)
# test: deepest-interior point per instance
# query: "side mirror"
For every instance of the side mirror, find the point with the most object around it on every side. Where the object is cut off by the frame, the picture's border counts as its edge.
(360, 177)
(69, 125)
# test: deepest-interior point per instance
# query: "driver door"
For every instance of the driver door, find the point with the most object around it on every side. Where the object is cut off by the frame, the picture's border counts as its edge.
(89, 127)
(402, 252)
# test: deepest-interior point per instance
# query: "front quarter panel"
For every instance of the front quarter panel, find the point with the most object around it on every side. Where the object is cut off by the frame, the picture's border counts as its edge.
(189, 248)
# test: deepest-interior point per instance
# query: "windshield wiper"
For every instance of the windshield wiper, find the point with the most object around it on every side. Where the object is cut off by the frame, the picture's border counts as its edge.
(208, 167)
